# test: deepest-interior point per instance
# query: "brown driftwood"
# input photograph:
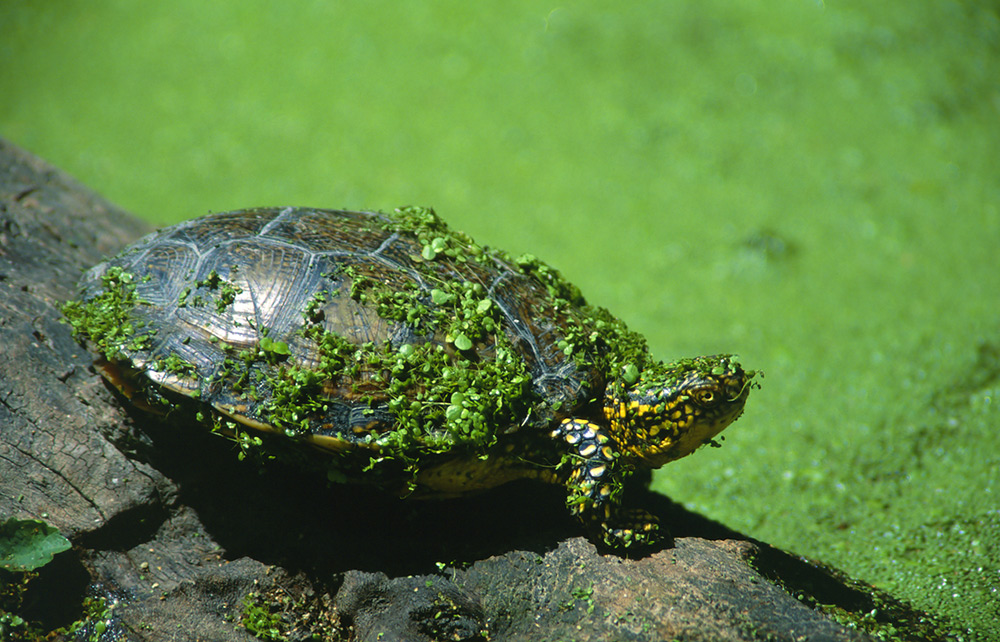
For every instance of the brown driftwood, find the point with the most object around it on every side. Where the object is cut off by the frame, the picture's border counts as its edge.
(172, 529)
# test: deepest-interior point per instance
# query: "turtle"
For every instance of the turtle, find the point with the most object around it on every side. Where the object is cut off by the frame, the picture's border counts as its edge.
(401, 353)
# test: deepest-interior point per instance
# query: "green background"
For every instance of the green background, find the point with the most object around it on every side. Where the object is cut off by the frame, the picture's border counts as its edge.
(814, 186)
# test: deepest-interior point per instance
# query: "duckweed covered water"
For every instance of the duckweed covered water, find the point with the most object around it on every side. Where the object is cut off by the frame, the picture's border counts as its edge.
(811, 185)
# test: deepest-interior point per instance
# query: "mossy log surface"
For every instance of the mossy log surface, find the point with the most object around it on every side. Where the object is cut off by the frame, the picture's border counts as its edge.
(187, 543)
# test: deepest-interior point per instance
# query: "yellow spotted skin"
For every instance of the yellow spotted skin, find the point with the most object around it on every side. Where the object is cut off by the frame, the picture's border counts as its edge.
(645, 425)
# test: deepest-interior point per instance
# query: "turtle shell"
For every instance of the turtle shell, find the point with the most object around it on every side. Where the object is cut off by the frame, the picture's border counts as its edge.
(350, 329)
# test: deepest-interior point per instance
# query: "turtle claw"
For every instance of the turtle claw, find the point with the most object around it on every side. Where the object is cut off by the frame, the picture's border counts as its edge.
(629, 529)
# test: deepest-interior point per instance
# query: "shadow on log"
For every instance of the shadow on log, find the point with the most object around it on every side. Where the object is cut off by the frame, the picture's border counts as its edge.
(188, 543)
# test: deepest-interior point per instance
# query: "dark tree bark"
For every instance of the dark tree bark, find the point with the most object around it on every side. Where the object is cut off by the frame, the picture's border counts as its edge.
(169, 527)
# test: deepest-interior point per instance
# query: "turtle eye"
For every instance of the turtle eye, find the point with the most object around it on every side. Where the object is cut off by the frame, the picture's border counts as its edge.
(705, 396)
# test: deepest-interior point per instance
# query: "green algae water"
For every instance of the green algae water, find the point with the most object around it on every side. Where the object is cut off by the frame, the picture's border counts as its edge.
(812, 185)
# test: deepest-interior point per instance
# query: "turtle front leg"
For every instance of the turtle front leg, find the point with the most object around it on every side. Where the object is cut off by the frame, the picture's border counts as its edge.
(595, 484)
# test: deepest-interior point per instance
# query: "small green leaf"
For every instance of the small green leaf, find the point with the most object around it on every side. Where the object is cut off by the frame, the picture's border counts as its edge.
(29, 544)
(440, 297)
(462, 342)
(274, 347)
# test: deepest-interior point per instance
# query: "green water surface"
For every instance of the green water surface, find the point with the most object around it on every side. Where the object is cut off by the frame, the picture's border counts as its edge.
(815, 186)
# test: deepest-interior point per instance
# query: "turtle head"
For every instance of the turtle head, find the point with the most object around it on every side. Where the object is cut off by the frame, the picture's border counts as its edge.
(672, 409)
